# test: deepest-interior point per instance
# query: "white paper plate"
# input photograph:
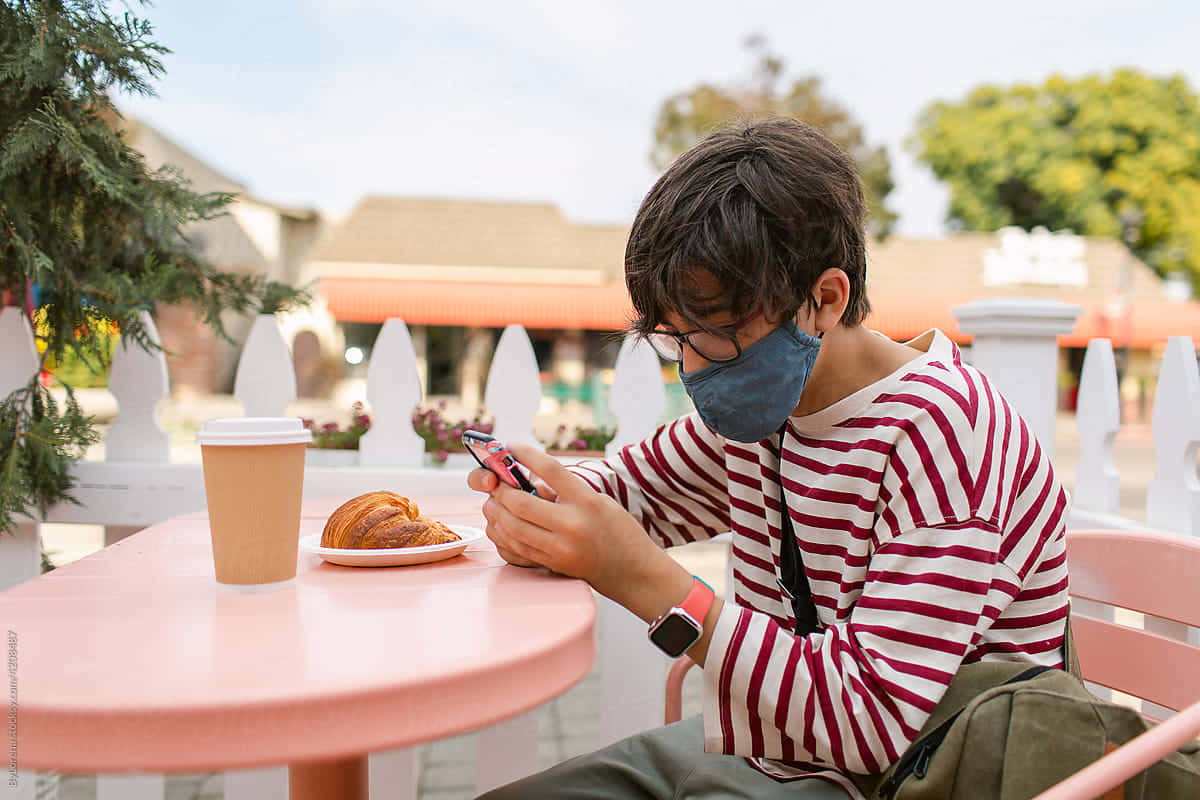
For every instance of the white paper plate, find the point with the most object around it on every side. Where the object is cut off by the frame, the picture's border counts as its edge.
(394, 556)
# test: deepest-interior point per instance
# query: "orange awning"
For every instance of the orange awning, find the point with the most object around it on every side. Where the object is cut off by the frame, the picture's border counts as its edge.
(608, 308)
(478, 304)
(1148, 323)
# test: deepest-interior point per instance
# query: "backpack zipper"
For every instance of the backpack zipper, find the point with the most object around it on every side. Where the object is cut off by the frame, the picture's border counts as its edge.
(918, 757)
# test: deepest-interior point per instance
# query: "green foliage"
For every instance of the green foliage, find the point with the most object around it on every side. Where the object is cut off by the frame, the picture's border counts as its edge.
(38, 444)
(441, 434)
(686, 118)
(1116, 156)
(331, 436)
(84, 218)
(583, 437)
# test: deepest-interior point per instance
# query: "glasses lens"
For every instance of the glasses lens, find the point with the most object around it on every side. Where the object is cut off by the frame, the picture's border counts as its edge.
(666, 346)
(712, 347)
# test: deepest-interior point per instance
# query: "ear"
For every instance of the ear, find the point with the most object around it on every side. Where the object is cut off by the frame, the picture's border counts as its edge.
(832, 292)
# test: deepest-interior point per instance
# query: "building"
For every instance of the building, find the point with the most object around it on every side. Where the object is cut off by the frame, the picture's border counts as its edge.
(457, 271)
(255, 236)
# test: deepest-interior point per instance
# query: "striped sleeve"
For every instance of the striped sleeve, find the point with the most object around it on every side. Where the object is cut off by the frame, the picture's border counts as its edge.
(854, 695)
(673, 483)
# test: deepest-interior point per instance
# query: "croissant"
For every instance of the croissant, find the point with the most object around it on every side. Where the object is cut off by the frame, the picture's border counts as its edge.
(377, 520)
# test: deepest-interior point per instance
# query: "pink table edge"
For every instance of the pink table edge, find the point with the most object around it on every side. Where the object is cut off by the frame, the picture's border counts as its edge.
(184, 738)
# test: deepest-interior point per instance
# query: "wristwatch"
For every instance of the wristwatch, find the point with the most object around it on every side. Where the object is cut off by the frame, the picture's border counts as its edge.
(681, 626)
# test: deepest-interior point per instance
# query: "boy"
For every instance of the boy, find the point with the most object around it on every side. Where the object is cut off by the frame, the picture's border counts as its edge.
(929, 523)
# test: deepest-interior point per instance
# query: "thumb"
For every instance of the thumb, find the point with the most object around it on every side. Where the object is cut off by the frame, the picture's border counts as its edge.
(565, 483)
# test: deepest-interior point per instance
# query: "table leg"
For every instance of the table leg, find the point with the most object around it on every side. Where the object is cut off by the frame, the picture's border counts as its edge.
(339, 779)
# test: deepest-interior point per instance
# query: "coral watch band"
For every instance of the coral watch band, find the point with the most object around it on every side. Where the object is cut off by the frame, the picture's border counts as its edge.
(698, 601)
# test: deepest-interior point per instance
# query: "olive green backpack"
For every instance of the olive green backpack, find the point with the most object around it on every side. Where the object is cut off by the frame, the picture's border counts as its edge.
(1006, 731)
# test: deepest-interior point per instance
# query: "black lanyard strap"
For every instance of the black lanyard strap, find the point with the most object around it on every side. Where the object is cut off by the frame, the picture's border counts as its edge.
(793, 580)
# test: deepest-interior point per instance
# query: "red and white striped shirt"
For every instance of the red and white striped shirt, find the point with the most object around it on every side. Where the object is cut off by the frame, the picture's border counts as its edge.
(932, 530)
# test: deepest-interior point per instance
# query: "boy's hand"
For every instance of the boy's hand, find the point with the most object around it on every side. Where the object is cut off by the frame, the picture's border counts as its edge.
(571, 528)
(484, 480)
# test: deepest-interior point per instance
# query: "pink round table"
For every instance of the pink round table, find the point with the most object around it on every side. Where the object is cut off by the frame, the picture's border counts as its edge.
(134, 658)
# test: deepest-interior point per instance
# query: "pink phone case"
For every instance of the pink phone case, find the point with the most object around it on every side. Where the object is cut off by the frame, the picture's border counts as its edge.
(493, 455)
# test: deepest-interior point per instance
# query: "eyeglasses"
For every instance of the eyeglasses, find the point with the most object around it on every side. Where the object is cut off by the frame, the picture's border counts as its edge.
(714, 347)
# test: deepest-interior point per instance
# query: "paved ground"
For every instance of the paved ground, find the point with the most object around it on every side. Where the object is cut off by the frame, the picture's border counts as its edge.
(570, 724)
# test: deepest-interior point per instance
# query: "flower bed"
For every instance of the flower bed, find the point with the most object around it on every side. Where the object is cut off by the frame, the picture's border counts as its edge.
(443, 436)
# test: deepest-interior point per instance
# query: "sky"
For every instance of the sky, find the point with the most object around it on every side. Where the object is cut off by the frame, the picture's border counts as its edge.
(316, 103)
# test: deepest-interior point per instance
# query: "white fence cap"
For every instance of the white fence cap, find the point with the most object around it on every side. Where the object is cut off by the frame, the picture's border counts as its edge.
(1017, 316)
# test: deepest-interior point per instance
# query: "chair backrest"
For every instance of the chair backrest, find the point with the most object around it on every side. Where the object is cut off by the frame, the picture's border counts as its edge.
(1156, 574)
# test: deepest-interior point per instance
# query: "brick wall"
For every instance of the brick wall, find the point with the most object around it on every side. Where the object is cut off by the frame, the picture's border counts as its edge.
(191, 350)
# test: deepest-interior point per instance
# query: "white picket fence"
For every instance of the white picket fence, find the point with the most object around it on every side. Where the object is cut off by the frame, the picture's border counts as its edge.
(137, 485)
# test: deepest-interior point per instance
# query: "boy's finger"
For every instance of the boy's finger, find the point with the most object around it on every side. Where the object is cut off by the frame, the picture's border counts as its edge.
(548, 468)
(482, 480)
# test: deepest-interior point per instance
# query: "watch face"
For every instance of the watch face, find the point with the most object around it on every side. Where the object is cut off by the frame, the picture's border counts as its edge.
(674, 634)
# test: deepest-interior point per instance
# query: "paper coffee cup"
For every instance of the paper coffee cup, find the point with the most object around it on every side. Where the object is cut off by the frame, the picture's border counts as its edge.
(253, 480)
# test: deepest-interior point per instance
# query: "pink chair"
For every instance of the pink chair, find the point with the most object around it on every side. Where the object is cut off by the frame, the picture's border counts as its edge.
(1152, 573)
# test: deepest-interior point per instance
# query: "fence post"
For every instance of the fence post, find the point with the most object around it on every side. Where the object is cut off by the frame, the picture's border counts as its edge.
(1016, 347)
(1173, 494)
(20, 552)
(393, 390)
(138, 379)
(514, 389)
(266, 379)
(1098, 417)
(632, 671)
(638, 396)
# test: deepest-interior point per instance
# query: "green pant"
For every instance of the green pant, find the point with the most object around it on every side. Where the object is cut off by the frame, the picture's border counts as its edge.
(663, 764)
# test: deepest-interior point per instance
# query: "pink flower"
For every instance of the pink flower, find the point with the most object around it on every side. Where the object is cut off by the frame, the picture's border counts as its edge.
(442, 436)
(440, 457)
(330, 427)
(578, 444)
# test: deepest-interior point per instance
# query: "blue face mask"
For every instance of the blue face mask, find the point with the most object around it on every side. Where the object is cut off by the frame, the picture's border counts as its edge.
(749, 398)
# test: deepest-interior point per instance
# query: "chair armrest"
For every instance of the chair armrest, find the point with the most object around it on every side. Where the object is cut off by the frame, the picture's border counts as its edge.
(673, 707)
(1129, 759)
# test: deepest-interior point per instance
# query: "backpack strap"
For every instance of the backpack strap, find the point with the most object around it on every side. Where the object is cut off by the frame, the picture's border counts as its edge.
(1070, 654)
(793, 580)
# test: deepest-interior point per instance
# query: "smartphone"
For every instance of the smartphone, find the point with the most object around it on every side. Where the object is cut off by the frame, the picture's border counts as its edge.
(493, 455)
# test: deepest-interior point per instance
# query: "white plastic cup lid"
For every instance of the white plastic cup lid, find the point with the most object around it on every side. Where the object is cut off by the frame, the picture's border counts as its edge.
(243, 431)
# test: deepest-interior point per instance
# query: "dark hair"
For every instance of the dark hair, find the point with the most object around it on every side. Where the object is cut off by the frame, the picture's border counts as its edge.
(766, 208)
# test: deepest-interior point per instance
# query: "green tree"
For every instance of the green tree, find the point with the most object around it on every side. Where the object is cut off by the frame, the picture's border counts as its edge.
(1116, 156)
(86, 226)
(686, 118)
